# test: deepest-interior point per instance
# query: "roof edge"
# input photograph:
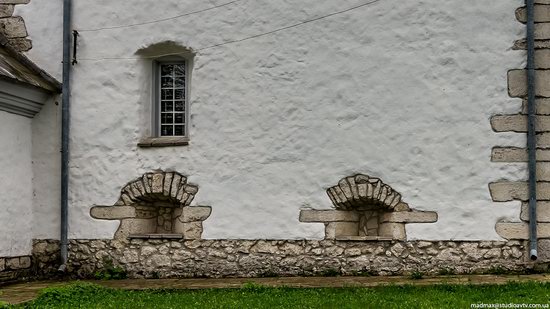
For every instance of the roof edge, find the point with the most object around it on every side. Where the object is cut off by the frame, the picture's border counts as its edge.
(55, 85)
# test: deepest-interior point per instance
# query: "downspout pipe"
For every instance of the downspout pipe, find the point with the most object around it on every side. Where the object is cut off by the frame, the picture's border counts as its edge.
(65, 125)
(531, 129)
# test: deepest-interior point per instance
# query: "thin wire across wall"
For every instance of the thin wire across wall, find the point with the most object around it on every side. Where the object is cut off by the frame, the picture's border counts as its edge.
(158, 20)
(307, 21)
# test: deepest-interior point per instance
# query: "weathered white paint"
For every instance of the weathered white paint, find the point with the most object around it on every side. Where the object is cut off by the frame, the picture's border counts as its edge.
(15, 185)
(401, 90)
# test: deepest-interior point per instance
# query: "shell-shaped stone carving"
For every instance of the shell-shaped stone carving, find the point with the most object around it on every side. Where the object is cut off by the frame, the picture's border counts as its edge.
(361, 192)
(168, 188)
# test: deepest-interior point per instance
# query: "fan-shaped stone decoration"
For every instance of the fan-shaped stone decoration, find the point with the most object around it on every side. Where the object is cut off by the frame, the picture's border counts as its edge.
(167, 188)
(156, 206)
(366, 209)
(361, 192)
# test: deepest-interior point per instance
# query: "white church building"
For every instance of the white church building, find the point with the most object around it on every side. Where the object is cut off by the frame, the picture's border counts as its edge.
(242, 138)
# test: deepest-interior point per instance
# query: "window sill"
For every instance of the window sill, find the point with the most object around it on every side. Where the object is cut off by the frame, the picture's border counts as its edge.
(155, 236)
(364, 238)
(163, 142)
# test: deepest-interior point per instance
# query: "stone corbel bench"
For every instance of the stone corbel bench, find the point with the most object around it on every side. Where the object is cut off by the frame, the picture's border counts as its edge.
(366, 209)
(156, 205)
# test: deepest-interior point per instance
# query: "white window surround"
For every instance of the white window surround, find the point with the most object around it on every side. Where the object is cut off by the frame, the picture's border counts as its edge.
(160, 104)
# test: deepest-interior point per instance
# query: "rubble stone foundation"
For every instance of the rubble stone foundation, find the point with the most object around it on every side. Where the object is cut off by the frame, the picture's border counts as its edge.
(162, 258)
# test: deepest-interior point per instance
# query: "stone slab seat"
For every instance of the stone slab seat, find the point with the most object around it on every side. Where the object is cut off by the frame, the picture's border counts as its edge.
(412, 216)
(113, 212)
(188, 214)
(156, 205)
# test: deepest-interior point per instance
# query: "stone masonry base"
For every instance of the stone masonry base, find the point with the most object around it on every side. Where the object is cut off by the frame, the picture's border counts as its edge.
(162, 258)
(15, 268)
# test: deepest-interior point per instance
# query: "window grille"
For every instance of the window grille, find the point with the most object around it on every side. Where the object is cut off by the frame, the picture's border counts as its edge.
(172, 97)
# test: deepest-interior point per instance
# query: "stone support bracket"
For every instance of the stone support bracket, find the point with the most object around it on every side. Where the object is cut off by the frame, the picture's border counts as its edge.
(365, 209)
(156, 205)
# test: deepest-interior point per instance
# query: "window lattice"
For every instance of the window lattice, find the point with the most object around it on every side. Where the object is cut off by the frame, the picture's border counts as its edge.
(172, 99)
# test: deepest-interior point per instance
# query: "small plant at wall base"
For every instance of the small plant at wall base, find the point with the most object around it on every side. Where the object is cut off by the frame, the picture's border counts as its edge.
(110, 272)
(331, 272)
(365, 272)
(497, 270)
(268, 274)
(417, 275)
(446, 272)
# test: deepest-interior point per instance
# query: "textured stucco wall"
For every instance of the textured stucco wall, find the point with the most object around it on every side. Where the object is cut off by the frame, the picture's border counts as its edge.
(46, 157)
(16, 188)
(401, 90)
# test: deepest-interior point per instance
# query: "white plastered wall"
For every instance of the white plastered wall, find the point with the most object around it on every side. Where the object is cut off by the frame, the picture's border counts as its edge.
(401, 90)
(16, 188)
(46, 156)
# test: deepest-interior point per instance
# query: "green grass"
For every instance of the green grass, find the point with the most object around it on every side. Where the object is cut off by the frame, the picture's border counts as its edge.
(85, 295)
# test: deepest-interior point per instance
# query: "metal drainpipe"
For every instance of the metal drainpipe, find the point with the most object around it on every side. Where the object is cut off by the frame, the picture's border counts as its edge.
(531, 130)
(65, 118)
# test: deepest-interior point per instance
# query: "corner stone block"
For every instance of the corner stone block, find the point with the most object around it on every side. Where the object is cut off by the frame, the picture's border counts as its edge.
(542, 105)
(195, 213)
(520, 230)
(543, 211)
(6, 10)
(13, 27)
(542, 56)
(335, 229)
(542, 31)
(508, 154)
(515, 154)
(393, 230)
(543, 171)
(410, 217)
(517, 83)
(310, 215)
(508, 191)
(543, 140)
(542, 14)
(113, 212)
(543, 250)
(518, 123)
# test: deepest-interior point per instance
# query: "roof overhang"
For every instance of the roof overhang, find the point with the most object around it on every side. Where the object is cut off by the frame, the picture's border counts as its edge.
(21, 99)
(24, 87)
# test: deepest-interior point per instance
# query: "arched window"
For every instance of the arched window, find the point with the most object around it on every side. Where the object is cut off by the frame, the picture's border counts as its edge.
(170, 77)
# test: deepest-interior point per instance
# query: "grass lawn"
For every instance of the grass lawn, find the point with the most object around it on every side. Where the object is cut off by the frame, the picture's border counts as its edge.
(86, 295)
